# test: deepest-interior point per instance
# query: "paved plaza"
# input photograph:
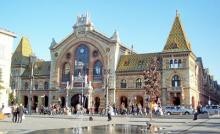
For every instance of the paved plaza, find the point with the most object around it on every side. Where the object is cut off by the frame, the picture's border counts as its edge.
(169, 124)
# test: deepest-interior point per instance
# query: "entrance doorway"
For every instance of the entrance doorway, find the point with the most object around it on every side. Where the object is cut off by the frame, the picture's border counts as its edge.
(124, 100)
(46, 101)
(139, 100)
(25, 101)
(35, 102)
(97, 104)
(63, 102)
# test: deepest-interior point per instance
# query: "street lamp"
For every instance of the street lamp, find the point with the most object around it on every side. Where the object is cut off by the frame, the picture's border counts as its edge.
(107, 72)
(67, 92)
(32, 60)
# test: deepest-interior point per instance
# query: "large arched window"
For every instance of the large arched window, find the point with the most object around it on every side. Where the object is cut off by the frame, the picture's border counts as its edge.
(66, 72)
(97, 71)
(176, 81)
(138, 83)
(81, 61)
(123, 84)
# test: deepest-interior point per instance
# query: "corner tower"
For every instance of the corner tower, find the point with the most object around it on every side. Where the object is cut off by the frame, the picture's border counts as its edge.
(179, 74)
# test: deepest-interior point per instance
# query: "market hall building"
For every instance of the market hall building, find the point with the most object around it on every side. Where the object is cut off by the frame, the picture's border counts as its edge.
(89, 68)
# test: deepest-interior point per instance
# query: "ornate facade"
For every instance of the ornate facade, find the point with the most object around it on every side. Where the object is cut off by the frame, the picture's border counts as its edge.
(90, 68)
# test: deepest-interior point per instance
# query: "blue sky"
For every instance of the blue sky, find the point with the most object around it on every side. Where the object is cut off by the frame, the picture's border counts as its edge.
(143, 23)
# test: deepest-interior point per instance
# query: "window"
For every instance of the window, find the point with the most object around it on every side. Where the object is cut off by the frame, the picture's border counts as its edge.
(97, 71)
(26, 85)
(36, 86)
(175, 63)
(123, 84)
(46, 85)
(179, 63)
(138, 83)
(81, 61)
(66, 72)
(176, 81)
(171, 63)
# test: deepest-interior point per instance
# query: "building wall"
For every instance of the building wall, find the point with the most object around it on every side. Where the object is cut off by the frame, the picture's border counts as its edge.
(6, 42)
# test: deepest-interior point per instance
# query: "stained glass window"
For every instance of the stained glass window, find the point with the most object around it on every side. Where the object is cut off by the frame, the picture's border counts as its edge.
(81, 61)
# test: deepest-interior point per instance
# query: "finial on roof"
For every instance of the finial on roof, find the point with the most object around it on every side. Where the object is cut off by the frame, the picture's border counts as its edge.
(83, 20)
(177, 13)
(132, 49)
(115, 36)
(53, 43)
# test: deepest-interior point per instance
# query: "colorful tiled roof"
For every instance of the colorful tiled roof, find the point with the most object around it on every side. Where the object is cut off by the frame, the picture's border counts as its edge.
(135, 62)
(41, 68)
(177, 40)
(22, 52)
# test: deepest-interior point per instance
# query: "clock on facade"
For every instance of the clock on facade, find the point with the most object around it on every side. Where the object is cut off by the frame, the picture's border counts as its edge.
(81, 50)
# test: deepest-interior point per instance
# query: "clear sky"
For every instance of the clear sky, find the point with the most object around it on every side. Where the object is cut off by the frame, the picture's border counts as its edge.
(143, 23)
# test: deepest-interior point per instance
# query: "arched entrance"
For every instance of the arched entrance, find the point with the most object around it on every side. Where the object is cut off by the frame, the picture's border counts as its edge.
(35, 102)
(63, 102)
(25, 101)
(75, 99)
(175, 99)
(97, 104)
(140, 100)
(124, 100)
(46, 101)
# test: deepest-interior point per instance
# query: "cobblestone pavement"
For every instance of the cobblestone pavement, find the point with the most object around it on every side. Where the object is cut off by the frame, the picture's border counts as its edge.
(169, 124)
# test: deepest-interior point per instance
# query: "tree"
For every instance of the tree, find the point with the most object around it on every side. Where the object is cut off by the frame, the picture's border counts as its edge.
(152, 79)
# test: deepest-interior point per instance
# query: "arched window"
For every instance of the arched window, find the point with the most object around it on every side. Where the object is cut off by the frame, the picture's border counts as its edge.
(138, 83)
(176, 81)
(81, 61)
(171, 63)
(46, 85)
(97, 71)
(175, 63)
(179, 63)
(66, 72)
(36, 86)
(26, 85)
(123, 84)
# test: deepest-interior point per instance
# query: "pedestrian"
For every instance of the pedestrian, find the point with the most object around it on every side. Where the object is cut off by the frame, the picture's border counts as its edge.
(110, 111)
(198, 111)
(14, 113)
(20, 113)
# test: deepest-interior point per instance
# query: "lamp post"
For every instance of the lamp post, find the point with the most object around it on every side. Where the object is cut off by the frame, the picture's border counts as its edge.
(31, 84)
(107, 72)
(30, 90)
(67, 92)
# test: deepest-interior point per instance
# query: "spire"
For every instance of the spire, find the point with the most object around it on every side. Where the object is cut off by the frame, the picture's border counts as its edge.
(177, 40)
(115, 36)
(24, 47)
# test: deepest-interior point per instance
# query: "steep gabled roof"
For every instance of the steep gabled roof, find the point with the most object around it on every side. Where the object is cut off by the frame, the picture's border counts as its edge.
(177, 40)
(22, 52)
